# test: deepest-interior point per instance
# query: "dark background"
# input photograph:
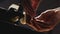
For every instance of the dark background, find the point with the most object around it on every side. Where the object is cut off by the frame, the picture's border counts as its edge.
(45, 4)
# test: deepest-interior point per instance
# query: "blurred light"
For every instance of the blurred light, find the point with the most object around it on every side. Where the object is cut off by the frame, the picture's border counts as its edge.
(23, 19)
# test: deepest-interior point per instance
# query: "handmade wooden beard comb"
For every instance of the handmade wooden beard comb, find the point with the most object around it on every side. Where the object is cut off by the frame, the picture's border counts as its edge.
(46, 21)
